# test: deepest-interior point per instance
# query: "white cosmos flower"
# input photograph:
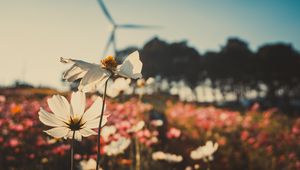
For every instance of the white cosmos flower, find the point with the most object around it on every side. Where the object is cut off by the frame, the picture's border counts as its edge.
(107, 131)
(67, 118)
(137, 127)
(157, 156)
(88, 165)
(117, 147)
(96, 74)
(145, 86)
(157, 123)
(142, 82)
(205, 152)
(164, 85)
(120, 85)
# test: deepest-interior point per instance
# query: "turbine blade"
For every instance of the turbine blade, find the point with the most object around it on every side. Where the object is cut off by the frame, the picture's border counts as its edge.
(110, 40)
(105, 11)
(138, 26)
(114, 45)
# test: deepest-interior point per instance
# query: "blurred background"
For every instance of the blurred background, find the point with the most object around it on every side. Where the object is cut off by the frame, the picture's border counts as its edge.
(239, 47)
(241, 57)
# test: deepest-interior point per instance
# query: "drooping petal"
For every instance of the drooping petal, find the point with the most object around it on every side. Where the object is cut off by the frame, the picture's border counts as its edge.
(49, 119)
(95, 123)
(58, 132)
(74, 73)
(78, 103)
(78, 69)
(131, 67)
(92, 87)
(59, 106)
(94, 111)
(81, 64)
(85, 132)
(94, 74)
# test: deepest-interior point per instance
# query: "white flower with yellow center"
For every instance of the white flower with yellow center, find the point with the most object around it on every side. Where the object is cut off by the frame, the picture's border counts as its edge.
(96, 74)
(67, 119)
(205, 152)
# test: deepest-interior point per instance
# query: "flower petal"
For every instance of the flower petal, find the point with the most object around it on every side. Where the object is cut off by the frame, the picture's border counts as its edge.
(94, 74)
(94, 111)
(85, 132)
(58, 132)
(49, 119)
(92, 124)
(74, 73)
(69, 135)
(91, 87)
(59, 106)
(131, 67)
(78, 103)
(81, 64)
(78, 136)
(78, 69)
(216, 145)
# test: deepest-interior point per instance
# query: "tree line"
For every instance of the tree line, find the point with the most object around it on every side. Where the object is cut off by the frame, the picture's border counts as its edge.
(275, 65)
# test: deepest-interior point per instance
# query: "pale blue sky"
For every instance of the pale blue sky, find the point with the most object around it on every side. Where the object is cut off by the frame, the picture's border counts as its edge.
(35, 33)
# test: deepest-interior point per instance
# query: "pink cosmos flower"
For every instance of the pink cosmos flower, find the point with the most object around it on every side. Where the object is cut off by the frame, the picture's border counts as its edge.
(13, 142)
(173, 133)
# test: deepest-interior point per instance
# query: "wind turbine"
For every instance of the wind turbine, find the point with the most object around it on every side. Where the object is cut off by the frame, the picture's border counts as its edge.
(115, 26)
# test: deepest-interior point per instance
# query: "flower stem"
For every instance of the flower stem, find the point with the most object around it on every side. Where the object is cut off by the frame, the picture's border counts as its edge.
(137, 155)
(72, 151)
(208, 165)
(99, 127)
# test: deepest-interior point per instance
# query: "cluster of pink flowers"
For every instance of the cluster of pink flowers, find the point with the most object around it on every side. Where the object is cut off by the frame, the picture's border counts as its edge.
(127, 116)
(273, 134)
(189, 116)
(260, 139)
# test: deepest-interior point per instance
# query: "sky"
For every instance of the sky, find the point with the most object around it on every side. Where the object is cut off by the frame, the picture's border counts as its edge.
(34, 34)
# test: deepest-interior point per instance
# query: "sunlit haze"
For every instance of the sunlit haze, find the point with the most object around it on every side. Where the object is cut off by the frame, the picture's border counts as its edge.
(34, 34)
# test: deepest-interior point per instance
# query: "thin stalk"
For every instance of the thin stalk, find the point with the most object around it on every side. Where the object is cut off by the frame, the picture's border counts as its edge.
(137, 155)
(72, 150)
(208, 165)
(100, 122)
(131, 155)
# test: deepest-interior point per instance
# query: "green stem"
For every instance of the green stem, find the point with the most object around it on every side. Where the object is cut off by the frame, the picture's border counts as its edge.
(137, 155)
(72, 150)
(99, 127)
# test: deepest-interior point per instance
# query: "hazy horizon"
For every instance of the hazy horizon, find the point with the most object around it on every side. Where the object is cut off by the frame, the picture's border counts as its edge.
(35, 34)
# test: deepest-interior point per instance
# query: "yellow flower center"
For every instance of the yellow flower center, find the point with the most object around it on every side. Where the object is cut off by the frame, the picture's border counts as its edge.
(75, 123)
(109, 63)
(141, 82)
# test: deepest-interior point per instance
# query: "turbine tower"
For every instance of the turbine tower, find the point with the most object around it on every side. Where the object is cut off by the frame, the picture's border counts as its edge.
(112, 38)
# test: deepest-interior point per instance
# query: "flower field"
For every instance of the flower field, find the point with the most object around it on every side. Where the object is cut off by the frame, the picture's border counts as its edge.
(146, 134)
